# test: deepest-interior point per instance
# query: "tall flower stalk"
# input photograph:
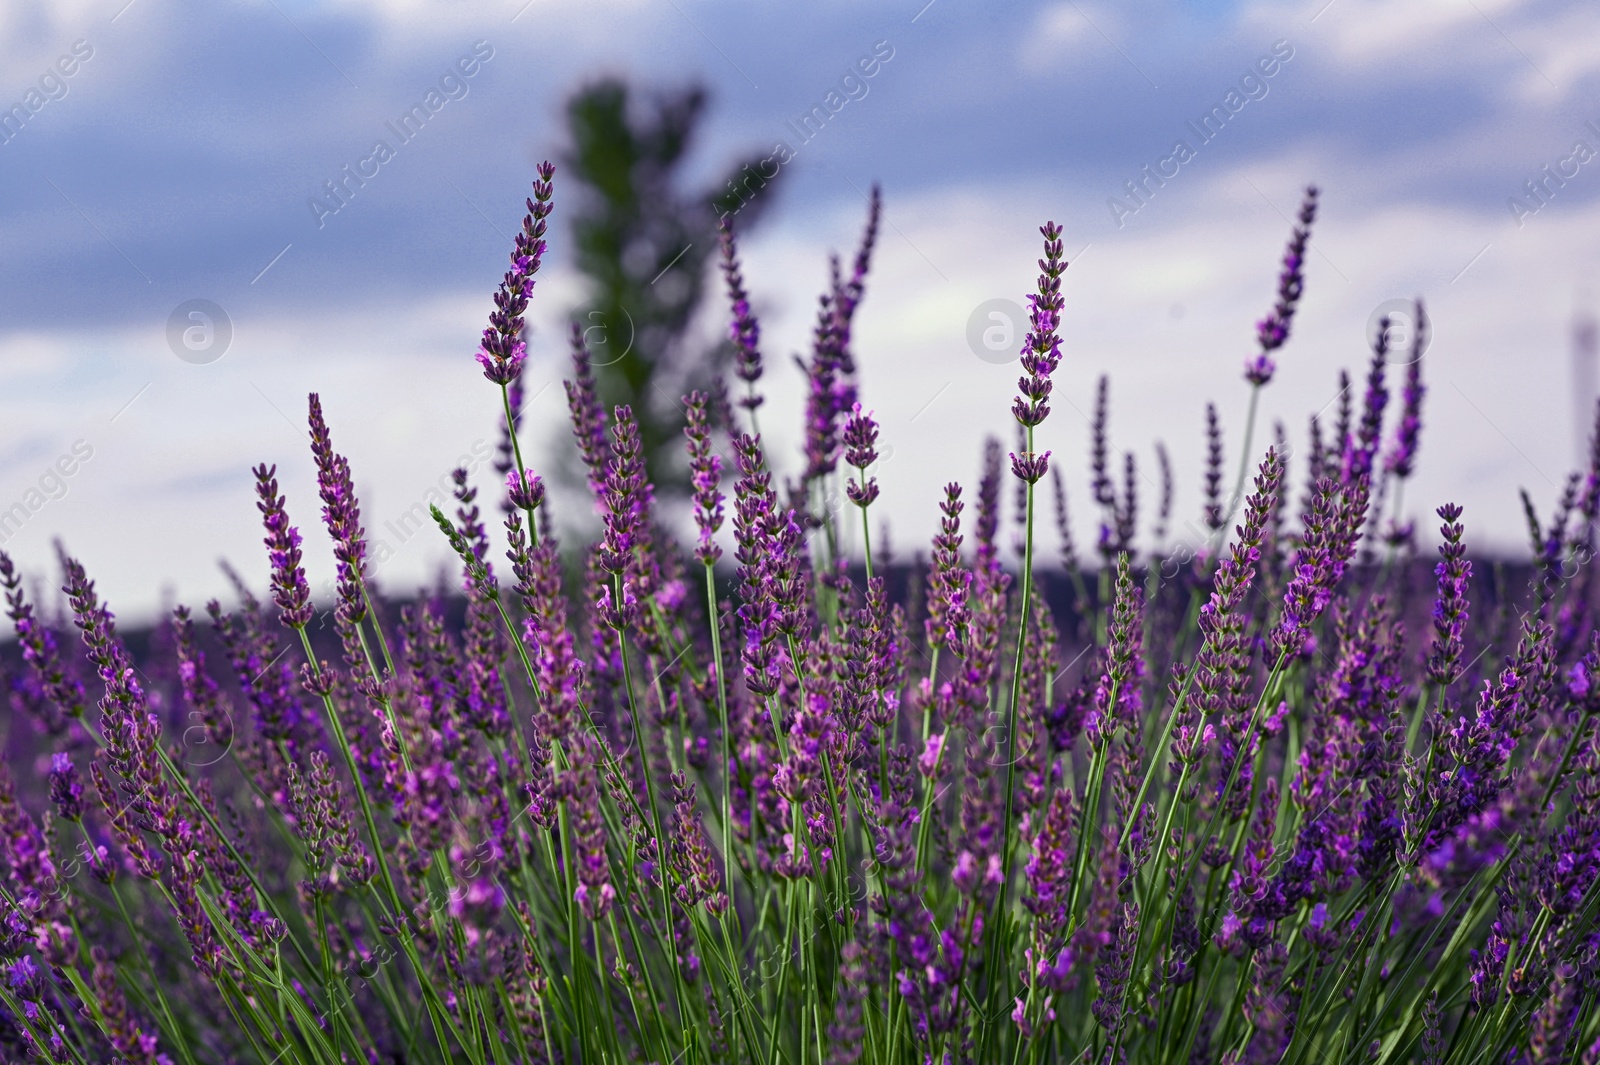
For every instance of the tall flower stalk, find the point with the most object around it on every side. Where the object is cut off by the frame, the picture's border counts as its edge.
(1272, 332)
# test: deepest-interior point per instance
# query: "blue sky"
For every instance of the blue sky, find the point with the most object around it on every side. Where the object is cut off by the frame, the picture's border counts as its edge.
(178, 160)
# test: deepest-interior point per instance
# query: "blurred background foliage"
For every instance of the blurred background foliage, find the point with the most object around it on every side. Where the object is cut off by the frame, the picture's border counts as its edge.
(643, 236)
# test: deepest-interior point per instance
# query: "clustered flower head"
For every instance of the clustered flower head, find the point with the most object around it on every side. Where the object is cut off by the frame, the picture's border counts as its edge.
(341, 514)
(705, 472)
(1273, 330)
(1288, 801)
(861, 451)
(290, 590)
(1041, 353)
(524, 490)
(502, 351)
(743, 329)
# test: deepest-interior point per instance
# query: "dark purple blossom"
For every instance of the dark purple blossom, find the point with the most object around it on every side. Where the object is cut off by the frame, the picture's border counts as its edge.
(1041, 348)
(341, 513)
(66, 790)
(705, 470)
(524, 490)
(1273, 330)
(290, 589)
(502, 351)
(1099, 428)
(588, 417)
(743, 329)
(1402, 456)
(1213, 478)
(38, 645)
(861, 451)
(1450, 608)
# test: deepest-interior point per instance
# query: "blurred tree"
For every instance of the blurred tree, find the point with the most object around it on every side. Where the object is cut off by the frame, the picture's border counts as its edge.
(643, 244)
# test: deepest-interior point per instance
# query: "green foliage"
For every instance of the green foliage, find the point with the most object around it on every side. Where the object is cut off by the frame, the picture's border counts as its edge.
(642, 242)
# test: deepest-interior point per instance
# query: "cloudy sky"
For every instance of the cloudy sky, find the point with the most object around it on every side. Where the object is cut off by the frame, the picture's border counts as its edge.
(179, 159)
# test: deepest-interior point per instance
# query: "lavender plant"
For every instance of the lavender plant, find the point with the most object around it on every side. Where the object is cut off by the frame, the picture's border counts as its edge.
(1279, 806)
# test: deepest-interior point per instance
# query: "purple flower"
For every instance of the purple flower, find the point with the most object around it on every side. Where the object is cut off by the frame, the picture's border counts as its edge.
(1273, 330)
(1118, 703)
(1450, 608)
(948, 581)
(623, 494)
(1049, 877)
(1116, 534)
(861, 451)
(1325, 550)
(1360, 449)
(1164, 510)
(66, 790)
(705, 471)
(1031, 466)
(1100, 479)
(743, 329)
(38, 645)
(1213, 478)
(847, 1034)
(290, 589)
(477, 902)
(850, 292)
(1556, 1020)
(588, 417)
(199, 690)
(502, 350)
(546, 634)
(341, 513)
(830, 392)
(1403, 456)
(524, 490)
(1041, 348)
(21, 973)
(698, 871)
(594, 893)
(1113, 969)
(1222, 668)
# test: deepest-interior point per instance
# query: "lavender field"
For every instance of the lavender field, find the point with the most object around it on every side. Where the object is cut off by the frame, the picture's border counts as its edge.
(683, 535)
(729, 799)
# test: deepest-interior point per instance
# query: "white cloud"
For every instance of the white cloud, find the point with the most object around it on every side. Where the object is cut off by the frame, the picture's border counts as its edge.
(1055, 33)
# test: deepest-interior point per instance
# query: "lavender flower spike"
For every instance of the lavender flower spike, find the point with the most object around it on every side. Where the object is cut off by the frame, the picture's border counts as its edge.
(743, 330)
(1041, 349)
(861, 451)
(1404, 455)
(289, 588)
(1450, 609)
(525, 490)
(66, 791)
(706, 472)
(342, 514)
(1273, 330)
(502, 350)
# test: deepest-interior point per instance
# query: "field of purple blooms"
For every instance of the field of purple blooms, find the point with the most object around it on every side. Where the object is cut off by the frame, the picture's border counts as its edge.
(1299, 797)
